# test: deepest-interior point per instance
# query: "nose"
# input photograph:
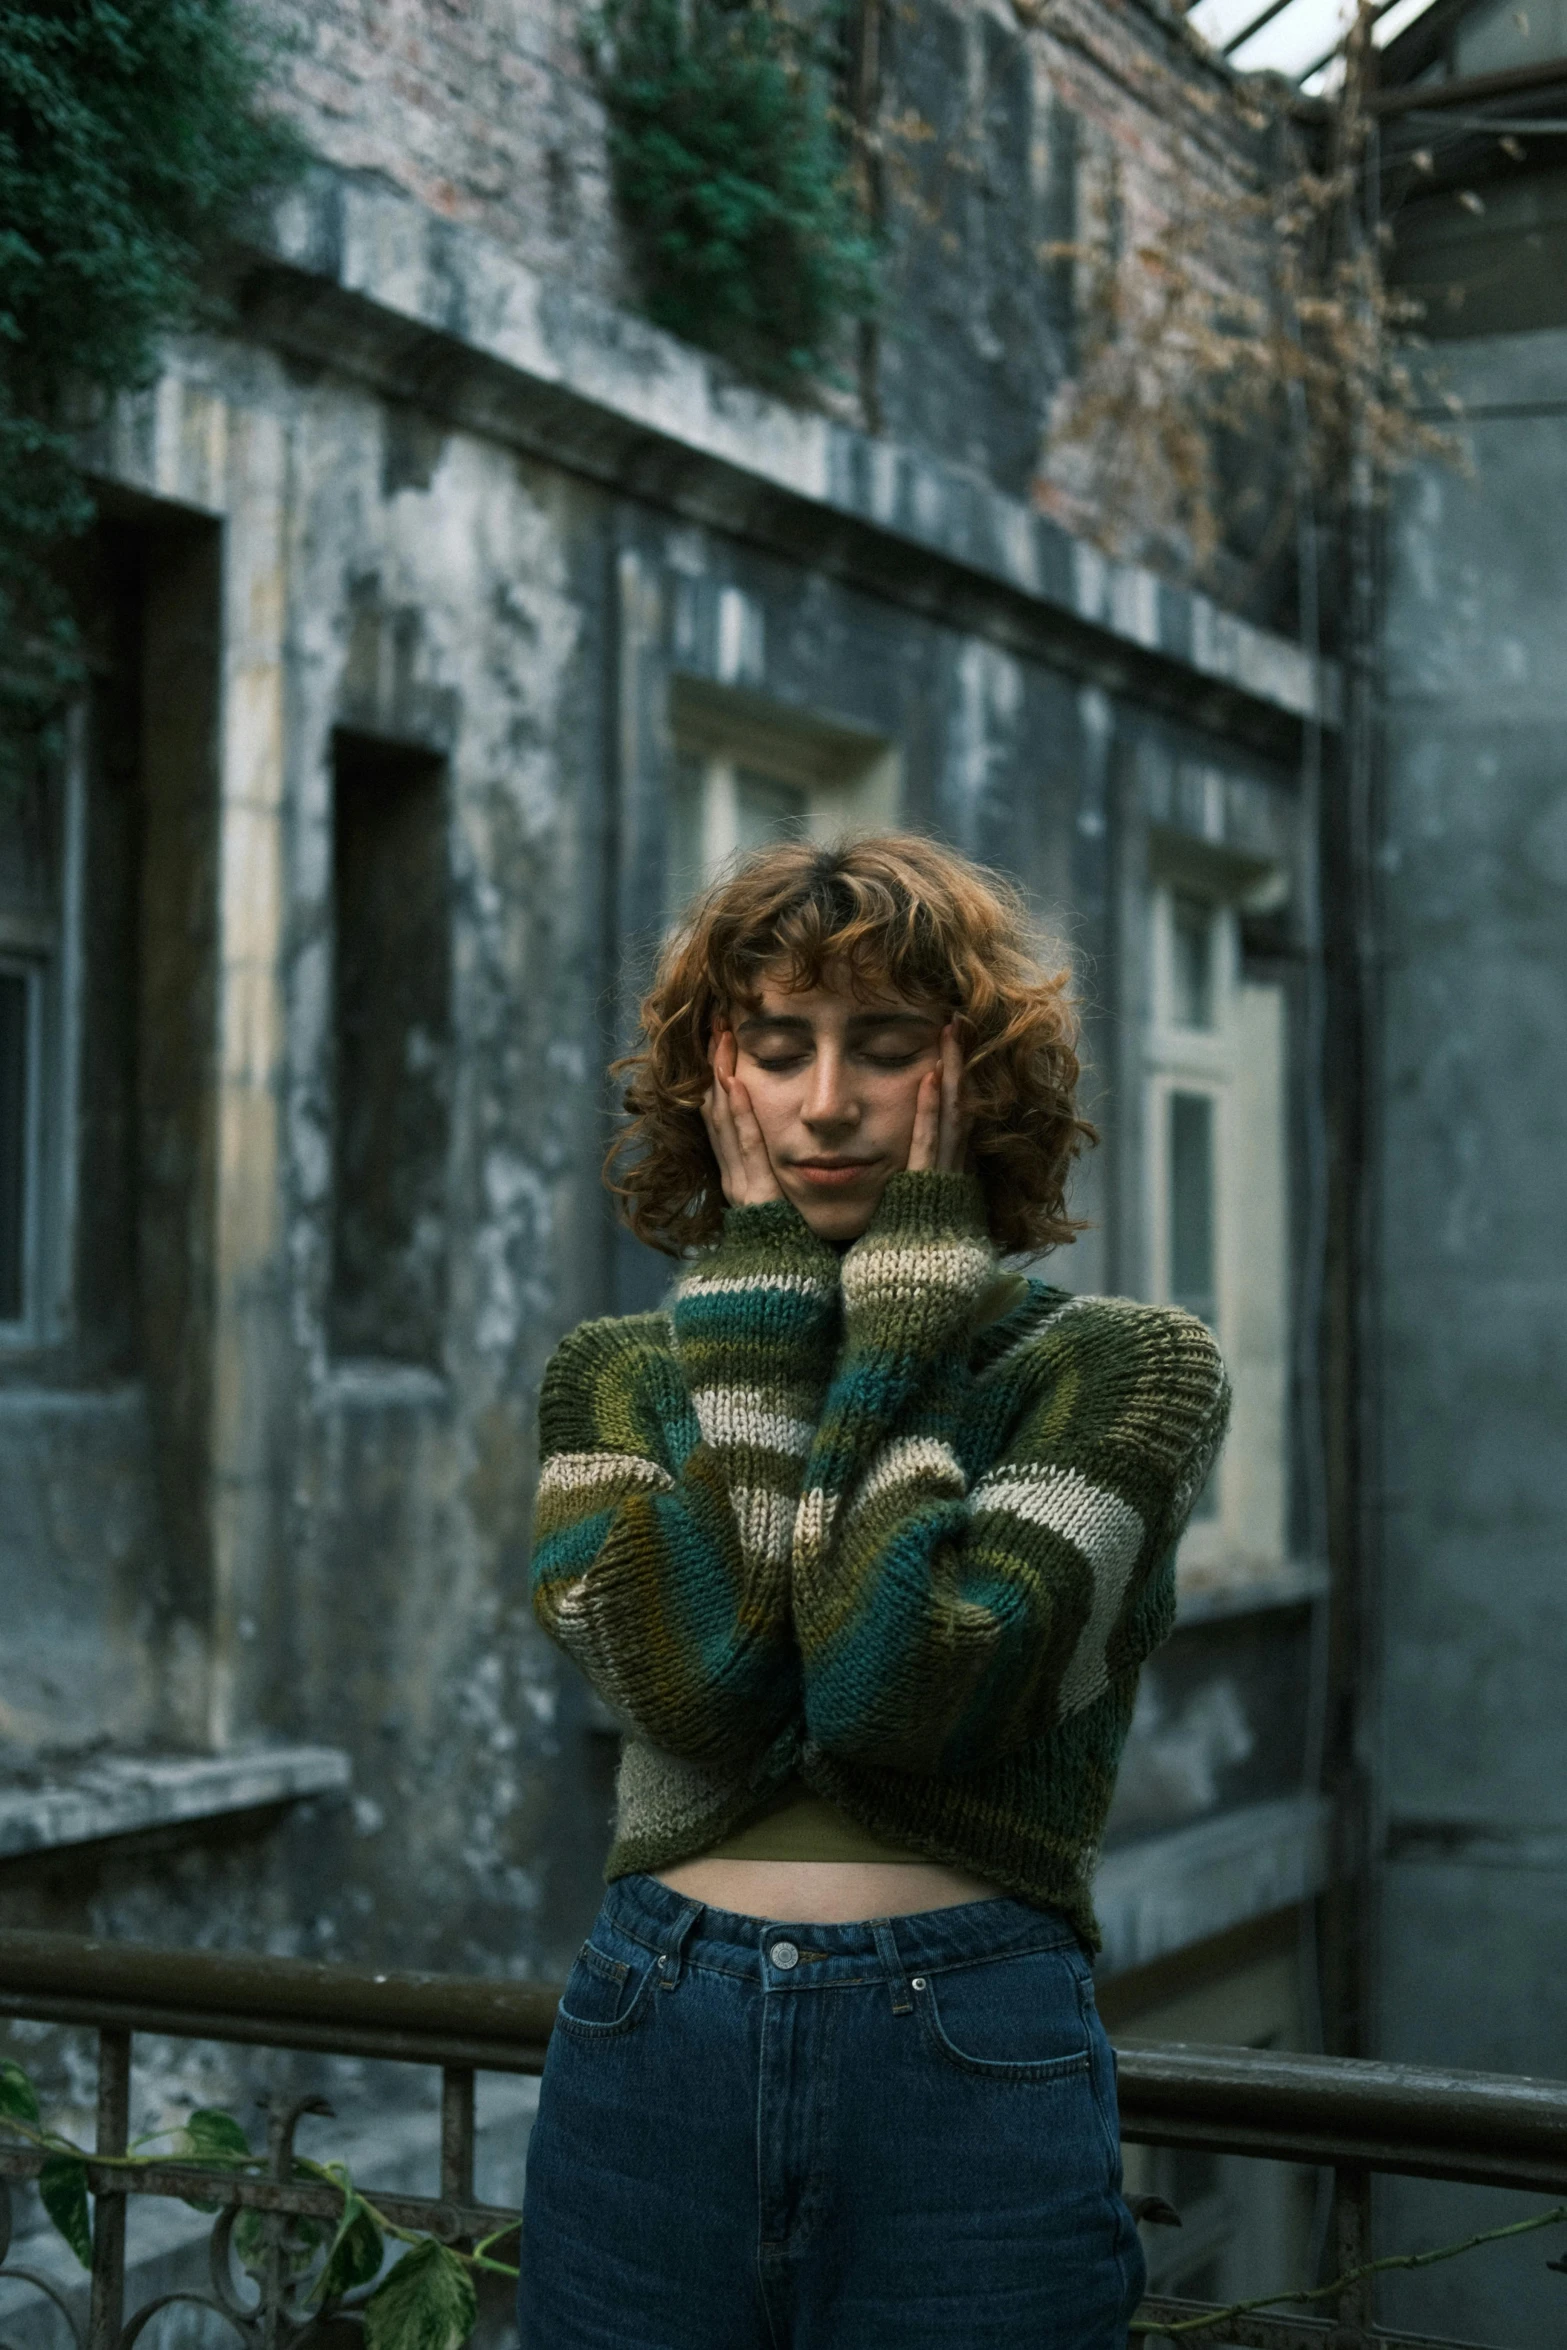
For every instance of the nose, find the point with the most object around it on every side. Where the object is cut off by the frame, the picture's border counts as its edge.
(829, 1099)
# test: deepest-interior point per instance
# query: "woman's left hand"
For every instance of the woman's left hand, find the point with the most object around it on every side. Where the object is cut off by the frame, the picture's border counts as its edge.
(941, 1124)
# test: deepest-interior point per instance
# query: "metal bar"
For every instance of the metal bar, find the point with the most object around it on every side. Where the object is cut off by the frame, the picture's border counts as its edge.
(1323, 2148)
(1518, 126)
(300, 2197)
(1490, 2129)
(106, 2310)
(1328, 55)
(248, 2030)
(1352, 2248)
(454, 2007)
(1324, 2109)
(1468, 89)
(457, 2132)
(1255, 25)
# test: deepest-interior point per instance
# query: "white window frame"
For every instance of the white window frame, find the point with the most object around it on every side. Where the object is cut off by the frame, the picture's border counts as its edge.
(851, 779)
(1239, 1064)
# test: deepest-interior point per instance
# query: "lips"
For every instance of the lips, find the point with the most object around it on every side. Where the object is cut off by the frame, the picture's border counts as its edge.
(831, 1174)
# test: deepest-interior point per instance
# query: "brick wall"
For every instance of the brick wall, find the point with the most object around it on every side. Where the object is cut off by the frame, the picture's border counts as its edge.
(1006, 126)
(480, 108)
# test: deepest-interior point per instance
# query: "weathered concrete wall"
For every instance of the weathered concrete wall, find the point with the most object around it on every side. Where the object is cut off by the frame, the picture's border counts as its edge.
(1474, 1281)
(1005, 132)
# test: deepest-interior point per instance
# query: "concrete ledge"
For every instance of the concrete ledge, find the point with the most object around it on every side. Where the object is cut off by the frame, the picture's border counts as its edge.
(1165, 1892)
(115, 1795)
(1293, 1585)
(365, 279)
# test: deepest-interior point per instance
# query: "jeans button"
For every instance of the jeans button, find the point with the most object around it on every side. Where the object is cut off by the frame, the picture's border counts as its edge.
(784, 1954)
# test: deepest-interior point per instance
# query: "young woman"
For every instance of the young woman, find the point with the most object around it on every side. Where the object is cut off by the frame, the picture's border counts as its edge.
(864, 1537)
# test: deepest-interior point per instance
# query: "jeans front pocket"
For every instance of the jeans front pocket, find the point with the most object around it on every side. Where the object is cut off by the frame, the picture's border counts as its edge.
(603, 1994)
(1018, 2018)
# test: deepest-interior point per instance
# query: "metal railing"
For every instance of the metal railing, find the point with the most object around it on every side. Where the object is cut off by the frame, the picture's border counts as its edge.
(1351, 2117)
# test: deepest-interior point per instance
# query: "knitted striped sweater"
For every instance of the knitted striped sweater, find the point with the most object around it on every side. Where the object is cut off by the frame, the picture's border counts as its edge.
(897, 1524)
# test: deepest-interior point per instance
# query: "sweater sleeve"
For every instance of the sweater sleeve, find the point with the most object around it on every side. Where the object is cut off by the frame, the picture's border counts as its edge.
(942, 1624)
(668, 1485)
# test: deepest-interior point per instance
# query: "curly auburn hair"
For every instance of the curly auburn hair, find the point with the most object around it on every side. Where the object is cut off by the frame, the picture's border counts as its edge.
(897, 910)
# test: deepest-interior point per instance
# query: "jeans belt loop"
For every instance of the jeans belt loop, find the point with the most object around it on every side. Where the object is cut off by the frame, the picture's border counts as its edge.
(674, 1945)
(897, 1980)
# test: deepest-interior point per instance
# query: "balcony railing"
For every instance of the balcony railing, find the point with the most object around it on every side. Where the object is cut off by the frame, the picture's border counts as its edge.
(1352, 2118)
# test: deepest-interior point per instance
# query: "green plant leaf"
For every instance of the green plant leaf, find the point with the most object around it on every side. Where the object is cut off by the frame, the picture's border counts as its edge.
(302, 2242)
(357, 2249)
(215, 2137)
(62, 2183)
(18, 2097)
(426, 2303)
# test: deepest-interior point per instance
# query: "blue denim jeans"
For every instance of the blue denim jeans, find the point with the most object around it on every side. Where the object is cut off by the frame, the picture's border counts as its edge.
(896, 2135)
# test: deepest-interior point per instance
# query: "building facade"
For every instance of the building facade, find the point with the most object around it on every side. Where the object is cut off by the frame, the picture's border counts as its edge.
(447, 622)
(1468, 1486)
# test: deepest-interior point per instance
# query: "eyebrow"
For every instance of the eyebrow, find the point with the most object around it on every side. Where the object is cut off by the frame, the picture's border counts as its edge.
(795, 1022)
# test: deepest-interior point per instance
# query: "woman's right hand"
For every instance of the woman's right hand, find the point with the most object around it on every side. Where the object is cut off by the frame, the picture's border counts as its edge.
(744, 1168)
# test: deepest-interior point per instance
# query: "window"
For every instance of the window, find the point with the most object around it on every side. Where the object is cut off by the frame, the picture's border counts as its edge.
(747, 772)
(18, 1081)
(36, 793)
(1216, 1218)
(1192, 926)
(1191, 1185)
(391, 1000)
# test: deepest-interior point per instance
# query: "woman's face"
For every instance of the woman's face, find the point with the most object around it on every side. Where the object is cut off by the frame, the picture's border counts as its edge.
(832, 1076)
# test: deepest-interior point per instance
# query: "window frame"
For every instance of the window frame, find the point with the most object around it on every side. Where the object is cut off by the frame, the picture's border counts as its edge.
(1239, 1535)
(46, 945)
(32, 970)
(851, 778)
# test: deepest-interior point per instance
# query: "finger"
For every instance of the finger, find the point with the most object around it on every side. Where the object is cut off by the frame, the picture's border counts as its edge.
(725, 1055)
(747, 1130)
(925, 1139)
(761, 1181)
(954, 1125)
(719, 1121)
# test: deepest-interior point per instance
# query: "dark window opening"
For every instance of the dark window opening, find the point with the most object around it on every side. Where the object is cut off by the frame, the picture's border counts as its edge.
(1193, 1273)
(391, 996)
(1192, 1281)
(15, 1055)
(1194, 959)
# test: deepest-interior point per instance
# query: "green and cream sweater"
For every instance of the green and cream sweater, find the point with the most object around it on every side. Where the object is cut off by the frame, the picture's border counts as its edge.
(898, 1524)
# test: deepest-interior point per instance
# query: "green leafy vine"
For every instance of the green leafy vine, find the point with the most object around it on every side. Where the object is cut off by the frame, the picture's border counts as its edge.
(130, 144)
(734, 172)
(425, 2301)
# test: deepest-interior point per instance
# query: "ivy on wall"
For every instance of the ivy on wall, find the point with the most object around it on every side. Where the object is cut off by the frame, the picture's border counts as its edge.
(733, 171)
(129, 144)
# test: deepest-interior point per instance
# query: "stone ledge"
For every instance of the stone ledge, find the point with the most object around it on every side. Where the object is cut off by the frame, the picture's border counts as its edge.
(456, 282)
(360, 277)
(1294, 1584)
(1165, 1892)
(117, 1795)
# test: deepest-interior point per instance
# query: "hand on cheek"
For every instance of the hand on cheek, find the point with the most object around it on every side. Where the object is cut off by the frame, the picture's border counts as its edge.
(744, 1169)
(939, 1142)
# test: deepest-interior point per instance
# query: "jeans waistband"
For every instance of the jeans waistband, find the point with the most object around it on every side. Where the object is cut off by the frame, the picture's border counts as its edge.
(786, 1952)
